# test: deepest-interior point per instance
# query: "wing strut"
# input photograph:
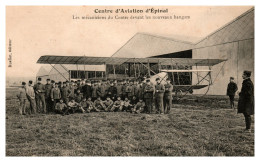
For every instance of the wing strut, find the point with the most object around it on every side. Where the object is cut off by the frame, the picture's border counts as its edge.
(59, 72)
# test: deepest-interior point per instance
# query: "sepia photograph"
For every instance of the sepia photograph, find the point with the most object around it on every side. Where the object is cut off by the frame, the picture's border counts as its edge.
(143, 81)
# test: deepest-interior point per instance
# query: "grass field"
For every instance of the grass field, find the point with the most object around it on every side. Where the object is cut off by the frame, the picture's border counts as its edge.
(204, 127)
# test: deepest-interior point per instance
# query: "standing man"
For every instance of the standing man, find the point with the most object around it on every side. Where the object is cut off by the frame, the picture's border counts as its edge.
(119, 89)
(65, 92)
(124, 85)
(167, 99)
(48, 87)
(94, 90)
(148, 96)
(87, 90)
(39, 89)
(140, 90)
(246, 99)
(112, 91)
(159, 92)
(31, 97)
(135, 89)
(130, 90)
(78, 96)
(55, 95)
(231, 90)
(72, 90)
(23, 99)
(102, 90)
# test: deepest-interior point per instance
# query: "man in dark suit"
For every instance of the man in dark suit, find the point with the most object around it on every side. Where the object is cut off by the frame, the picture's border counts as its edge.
(87, 90)
(159, 93)
(39, 89)
(167, 99)
(48, 101)
(231, 90)
(246, 99)
(148, 96)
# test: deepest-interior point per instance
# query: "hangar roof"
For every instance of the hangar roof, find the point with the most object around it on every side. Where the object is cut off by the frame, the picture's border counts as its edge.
(149, 45)
(240, 28)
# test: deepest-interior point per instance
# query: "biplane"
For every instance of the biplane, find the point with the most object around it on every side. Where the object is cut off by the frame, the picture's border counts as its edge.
(179, 70)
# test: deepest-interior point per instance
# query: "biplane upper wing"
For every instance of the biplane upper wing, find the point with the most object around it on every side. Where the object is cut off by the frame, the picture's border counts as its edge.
(87, 60)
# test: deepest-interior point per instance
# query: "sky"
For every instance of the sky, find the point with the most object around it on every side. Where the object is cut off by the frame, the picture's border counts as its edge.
(51, 30)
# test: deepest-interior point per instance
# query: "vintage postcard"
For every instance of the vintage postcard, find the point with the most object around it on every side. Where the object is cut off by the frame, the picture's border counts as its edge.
(130, 80)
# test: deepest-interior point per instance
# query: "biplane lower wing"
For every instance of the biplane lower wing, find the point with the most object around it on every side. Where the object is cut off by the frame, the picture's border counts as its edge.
(181, 71)
(184, 88)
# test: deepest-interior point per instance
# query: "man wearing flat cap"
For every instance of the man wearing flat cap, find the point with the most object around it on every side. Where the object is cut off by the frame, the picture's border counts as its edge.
(231, 91)
(31, 97)
(167, 99)
(159, 93)
(22, 96)
(246, 99)
(39, 89)
(48, 87)
(148, 96)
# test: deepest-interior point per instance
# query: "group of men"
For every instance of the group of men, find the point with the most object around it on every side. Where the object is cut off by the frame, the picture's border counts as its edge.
(136, 96)
(127, 95)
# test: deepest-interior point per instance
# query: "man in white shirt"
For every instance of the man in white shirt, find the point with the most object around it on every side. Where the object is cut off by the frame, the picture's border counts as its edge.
(31, 97)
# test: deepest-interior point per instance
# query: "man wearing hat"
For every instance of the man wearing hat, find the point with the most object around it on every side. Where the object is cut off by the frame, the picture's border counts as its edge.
(31, 97)
(112, 91)
(39, 90)
(102, 90)
(94, 91)
(148, 96)
(65, 92)
(140, 89)
(52, 83)
(167, 99)
(159, 92)
(231, 90)
(48, 87)
(72, 90)
(130, 90)
(124, 85)
(246, 99)
(87, 89)
(119, 88)
(22, 96)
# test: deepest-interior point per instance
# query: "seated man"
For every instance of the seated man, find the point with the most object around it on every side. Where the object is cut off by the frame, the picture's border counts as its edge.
(98, 105)
(108, 103)
(84, 104)
(134, 101)
(127, 106)
(139, 107)
(75, 107)
(118, 105)
(90, 105)
(61, 108)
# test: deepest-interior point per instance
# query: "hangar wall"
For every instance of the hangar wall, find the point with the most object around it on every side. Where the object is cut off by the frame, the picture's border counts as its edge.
(240, 57)
(235, 42)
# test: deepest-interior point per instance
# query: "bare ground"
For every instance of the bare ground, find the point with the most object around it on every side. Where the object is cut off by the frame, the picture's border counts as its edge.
(194, 128)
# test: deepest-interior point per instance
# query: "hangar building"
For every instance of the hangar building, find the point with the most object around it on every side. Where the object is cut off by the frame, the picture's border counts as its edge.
(234, 42)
